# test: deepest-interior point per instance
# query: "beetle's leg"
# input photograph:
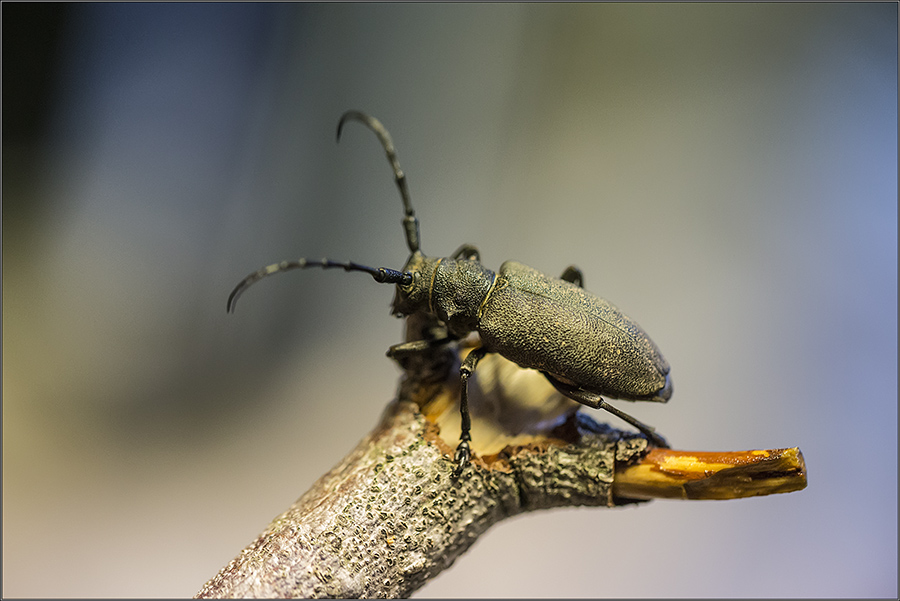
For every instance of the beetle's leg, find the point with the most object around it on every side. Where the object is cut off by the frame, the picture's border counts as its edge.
(465, 370)
(405, 349)
(595, 401)
(573, 274)
(467, 251)
(434, 336)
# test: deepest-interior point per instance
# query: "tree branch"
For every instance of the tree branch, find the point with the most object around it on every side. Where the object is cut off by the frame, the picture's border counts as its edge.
(389, 517)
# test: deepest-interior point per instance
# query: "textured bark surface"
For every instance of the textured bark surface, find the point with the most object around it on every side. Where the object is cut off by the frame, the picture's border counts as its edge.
(389, 517)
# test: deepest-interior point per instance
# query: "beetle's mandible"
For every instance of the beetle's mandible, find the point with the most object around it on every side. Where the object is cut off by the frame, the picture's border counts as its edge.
(581, 343)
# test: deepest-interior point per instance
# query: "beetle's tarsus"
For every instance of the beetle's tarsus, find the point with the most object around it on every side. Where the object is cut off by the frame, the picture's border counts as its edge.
(658, 441)
(463, 453)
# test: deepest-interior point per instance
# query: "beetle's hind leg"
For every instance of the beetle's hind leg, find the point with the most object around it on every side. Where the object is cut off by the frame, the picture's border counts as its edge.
(595, 401)
(463, 452)
(573, 274)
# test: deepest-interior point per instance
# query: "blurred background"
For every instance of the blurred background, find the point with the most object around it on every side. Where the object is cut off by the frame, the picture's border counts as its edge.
(724, 173)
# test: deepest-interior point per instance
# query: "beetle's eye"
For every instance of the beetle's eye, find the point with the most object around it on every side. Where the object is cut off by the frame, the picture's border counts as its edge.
(406, 282)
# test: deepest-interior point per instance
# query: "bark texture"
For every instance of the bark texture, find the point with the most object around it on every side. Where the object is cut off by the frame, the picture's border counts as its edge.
(389, 517)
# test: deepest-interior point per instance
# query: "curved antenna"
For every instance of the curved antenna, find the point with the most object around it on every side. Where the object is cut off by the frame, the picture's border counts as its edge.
(382, 275)
(410, 223)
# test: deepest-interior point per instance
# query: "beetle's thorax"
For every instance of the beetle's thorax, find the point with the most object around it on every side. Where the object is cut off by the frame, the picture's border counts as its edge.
(458, 292)
(451, 290)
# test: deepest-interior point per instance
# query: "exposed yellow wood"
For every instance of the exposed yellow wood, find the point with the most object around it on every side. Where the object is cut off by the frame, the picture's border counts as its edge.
(674, 474)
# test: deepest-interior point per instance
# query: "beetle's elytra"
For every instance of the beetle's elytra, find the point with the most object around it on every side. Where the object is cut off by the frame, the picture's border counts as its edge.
(581, 343)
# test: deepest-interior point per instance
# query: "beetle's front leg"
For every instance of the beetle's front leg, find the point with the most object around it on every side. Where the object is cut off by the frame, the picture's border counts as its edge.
(463, 452)
(405, 349)
(425, 360)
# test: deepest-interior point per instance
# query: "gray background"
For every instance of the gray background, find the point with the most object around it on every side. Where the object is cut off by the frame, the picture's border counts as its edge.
(725, 173)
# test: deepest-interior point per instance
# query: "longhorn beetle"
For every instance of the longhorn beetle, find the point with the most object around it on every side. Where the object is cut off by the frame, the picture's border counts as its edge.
(581, 343)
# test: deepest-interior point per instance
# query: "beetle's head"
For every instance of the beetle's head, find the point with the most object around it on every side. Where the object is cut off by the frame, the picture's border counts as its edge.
(416, 295)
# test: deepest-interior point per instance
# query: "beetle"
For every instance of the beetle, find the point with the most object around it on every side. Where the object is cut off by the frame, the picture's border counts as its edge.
(582, 344)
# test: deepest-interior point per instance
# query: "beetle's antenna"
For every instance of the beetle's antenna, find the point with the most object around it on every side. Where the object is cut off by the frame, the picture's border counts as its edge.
(382, 275)
(410, 222)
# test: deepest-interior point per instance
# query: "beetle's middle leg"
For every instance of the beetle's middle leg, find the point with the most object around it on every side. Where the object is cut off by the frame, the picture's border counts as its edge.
(573, 274)
(595, 401)
(463, 452)
(467, 251)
